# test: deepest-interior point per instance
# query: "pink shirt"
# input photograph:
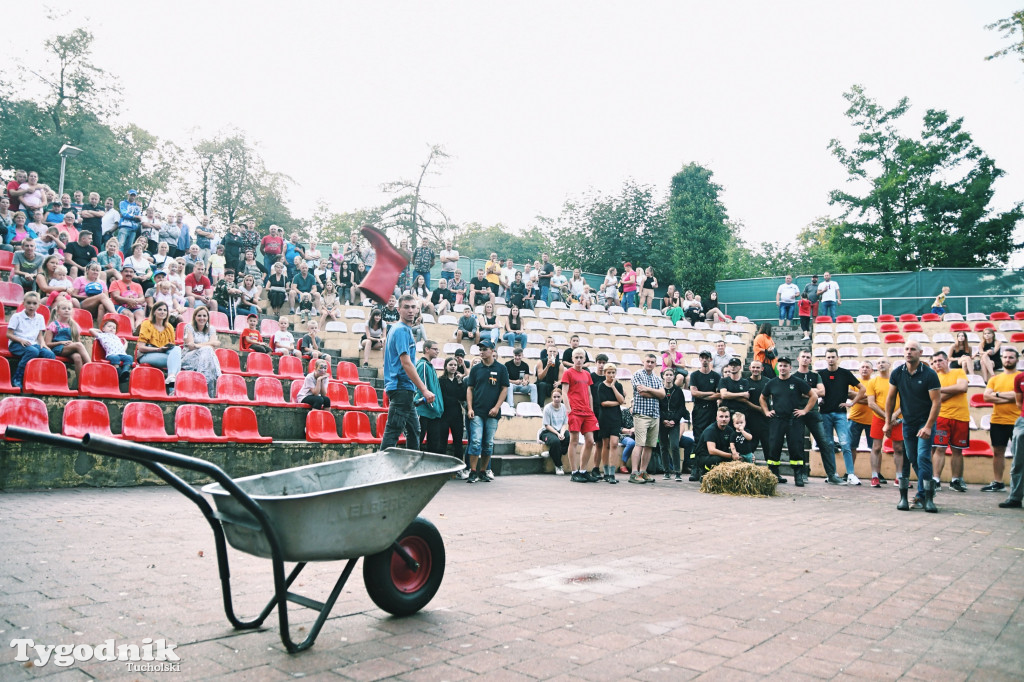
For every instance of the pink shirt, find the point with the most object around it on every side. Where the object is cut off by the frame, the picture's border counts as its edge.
(628, 281)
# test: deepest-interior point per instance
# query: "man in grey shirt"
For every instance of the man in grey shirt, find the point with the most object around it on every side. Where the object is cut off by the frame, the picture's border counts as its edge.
(812, 295)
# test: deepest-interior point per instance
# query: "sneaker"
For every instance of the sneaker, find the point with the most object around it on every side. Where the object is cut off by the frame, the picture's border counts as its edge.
(667, 476)
(852, 479)
(936, 485)
(610, 478)
(490, 474)
(957, 485)
(1010, 504)
(875, 483)
(994, 487)
(579, 477)
(472, 478)
(881, 480)
(481, 476)
(636, 478)
(835, 480)
(463, 475)
(647, 477)
(679, 478)
(623, 470)
(559, 471)
(597, 472)
(592, 477)
(896, 483)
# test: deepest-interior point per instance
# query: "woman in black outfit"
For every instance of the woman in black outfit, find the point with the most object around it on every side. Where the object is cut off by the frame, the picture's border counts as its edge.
(453, 394)
(673, 413)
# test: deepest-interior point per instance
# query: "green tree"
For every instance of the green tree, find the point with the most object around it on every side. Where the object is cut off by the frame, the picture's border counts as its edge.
(926, 200)
(474, 240)
(698, 229)
(410, 213)
(328, 226)
(1012, 28)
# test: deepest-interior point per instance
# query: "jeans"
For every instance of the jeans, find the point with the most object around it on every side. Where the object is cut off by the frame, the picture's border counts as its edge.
(629, 300)
(812, 420)
(512, 338)
(492, 334)
(402, 418)
(447, 276)
(917, 451)
(268, 262)
(171, 361)
(856, 431)
(24, 354)
(786, 311)
(627, 448)
(122, 363)
(528, 389)
(124, 235)
(837, 421)
(481, 435)
(829, 308)
(544, 292)
(1017, 470)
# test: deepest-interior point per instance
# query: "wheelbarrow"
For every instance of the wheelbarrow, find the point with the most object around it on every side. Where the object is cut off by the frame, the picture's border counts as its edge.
(363, 506)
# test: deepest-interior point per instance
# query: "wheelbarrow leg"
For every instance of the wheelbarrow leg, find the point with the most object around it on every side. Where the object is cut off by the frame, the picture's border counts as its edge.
(324, 608)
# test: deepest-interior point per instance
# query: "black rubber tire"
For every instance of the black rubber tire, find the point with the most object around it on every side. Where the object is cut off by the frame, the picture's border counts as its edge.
(390, 583)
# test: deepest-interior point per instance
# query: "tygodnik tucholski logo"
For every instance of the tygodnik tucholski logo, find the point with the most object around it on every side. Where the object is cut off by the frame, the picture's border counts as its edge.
(149, 656)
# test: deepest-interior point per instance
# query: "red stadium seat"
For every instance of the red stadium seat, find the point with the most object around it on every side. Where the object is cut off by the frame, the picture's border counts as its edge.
(908, 317)
(888, 328)
(999, 316)
(99, 353)
(41, 310)
(844, 319)
(886, 318)
(5, 351)
(179, 333)
(959, 327)
(1, 307)
(191, 386)
(293, 396)
(144, 422)
(382, 422)
(823, 319)
(366, 399)
(147, 383)
(5, 378)
(219, 321)
(338, 393)
(231, 389)
(11, 294)
(87, 416)
(289, 367)
(269, 392)
(978, 448)
(99, 380)
(6, 262)
(931, 317)
(268, 327)
(356, 426)
(28, 413)
(349, 373)
(47, 377)
(321, 428)
(124, 325)
(259, 365)
(194, 424)
(1019, 315)
(979, 326)
(84, 319)
(229, 363)
(894, 338)
(913, 327)
(241, 324)
(978, 400)
(1017, 337)
(239, 426)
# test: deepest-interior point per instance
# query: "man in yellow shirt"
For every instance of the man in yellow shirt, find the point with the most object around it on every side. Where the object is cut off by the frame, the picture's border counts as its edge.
(877, 391)
(493, 270)
(953, 427)
(859, 414)
(999, 392)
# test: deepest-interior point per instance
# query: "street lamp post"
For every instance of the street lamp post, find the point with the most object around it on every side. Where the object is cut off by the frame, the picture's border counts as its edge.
(66, 152)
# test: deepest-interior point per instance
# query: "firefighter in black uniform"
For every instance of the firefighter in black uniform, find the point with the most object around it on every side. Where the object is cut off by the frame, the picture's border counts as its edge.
(785, 400)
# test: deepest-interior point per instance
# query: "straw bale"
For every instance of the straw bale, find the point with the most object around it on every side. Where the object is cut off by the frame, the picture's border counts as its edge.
(739, 478)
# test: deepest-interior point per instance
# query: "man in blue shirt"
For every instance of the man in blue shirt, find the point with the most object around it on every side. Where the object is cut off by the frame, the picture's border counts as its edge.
(401, 380)
(131, 218)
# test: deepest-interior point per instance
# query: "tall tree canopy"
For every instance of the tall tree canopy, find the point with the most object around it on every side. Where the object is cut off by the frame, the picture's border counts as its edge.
(473, 240)
(698, 228)
(924, 201)
(410, 213)
(1012, 28)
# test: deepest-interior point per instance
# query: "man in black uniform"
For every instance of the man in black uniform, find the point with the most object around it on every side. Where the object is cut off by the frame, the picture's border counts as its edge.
(716, 444)
(840, 386)
(757, 425)
(784, 401)
(704, 389)
(812, 420)
(597, 378)
(548, 372)
(733, 388)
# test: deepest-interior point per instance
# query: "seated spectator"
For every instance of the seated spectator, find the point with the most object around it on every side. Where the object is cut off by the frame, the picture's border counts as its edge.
(961, 355)
(63, 336)
(54, 216)
(443, 299)
(192, 258)
(559, 287)
(672, 357)
(390, 313)
(514, 335)
(577, 286)
(27, 264)
(480, 291)
(670, 294)
(692, 309)
(314, 387)
(142, 263)
(229, 298)
(251, 340)
(128, 297)
(330, 304)
(198, 289)
(251, 293)
(176, 275)
(277, 287)
(90, 291)
(517, 290)
(554, 431)
(110, 260)
(115, 349)
(422, 294)
(989, 354)
(373, 336)
(323, 272)
(574, 343)
(712, 313)
(26, 340)
(37, 227)
(344, 277)
(50, 243)
(467, 327)
(357, 278)
(199, 344)
(519, 378)
(311, 344)
(156, 347)
(284, 342)
(162, 257)
(79, 254)
(304, 294)
(458, 287)
(490, 330)
(61, 286)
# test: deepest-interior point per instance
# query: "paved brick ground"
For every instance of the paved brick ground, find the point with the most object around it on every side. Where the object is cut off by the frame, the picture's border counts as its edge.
(552, 580)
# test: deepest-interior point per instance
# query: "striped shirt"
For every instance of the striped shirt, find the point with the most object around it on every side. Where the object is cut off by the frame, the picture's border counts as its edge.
(642, 404)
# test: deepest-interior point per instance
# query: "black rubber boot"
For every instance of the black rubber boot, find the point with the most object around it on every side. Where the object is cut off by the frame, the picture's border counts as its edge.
(774, 468)
(929, 495)
(904, 504)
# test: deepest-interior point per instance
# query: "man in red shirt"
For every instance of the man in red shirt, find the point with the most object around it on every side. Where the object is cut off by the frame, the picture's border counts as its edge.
(581, 417)
(13, 193)
(128, 297)
(272, 246)
(198, 289)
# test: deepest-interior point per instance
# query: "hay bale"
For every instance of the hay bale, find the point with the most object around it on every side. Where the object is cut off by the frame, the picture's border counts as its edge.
(739, 478)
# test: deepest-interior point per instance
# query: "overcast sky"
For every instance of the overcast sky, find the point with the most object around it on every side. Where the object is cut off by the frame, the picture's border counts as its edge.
(540, 101)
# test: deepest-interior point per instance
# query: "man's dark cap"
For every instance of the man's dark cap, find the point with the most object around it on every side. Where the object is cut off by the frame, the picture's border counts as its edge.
(460, 352)
(735, 362)
(705, 354)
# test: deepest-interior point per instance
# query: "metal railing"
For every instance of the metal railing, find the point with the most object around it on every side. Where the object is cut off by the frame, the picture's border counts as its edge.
(894, 305)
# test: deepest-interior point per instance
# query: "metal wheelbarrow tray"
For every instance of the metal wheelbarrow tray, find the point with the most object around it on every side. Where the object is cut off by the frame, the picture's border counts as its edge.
(364, 506)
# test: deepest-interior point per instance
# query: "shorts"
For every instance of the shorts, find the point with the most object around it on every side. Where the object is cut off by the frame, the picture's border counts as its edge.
(876, 430)
(609, 429)
(1000, 434)
(952, 432)
(217, 272)
(582, 423)
(645, 430)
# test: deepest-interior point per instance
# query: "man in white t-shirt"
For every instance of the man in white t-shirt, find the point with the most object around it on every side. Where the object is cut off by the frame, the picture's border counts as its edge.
(111, 217)
(507, 276)
(449, 260)
(785, 298)
(828, 295)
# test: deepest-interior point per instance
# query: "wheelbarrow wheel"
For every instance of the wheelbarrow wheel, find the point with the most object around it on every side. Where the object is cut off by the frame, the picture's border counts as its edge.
(392, 584)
